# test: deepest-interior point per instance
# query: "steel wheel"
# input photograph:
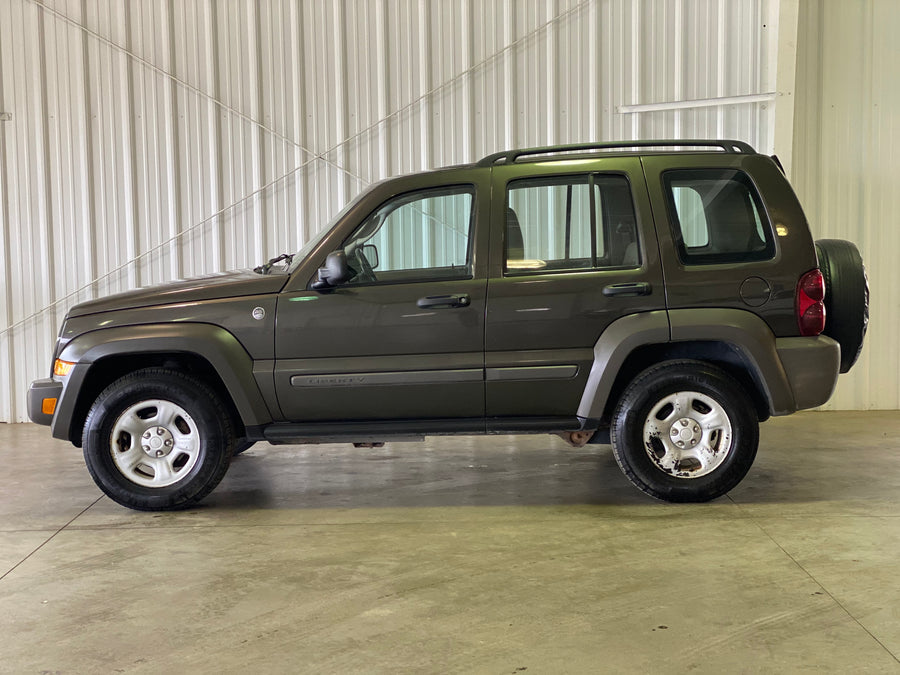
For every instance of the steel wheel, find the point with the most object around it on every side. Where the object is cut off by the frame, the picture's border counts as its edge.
(687, 434)
(684, 431)
(155, 443)
(157, 439)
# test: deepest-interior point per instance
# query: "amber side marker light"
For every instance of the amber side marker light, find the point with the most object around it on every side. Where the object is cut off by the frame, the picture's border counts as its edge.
(48, 406)
(62, 368)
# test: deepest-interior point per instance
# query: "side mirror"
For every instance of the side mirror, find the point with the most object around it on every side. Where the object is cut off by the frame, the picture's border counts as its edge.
(371, 253)
(335, 272)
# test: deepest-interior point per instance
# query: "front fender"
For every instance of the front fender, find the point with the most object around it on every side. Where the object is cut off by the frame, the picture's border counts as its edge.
(214, 344)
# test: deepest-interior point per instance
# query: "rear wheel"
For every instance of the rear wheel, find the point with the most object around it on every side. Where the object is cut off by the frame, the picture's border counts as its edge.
(158, 440)
(684, 431)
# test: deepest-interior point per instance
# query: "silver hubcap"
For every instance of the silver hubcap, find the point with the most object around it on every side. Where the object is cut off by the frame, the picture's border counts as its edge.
(155, 443)
(687, 434)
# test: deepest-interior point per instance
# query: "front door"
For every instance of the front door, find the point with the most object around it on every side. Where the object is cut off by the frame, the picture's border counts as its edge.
(404, 337)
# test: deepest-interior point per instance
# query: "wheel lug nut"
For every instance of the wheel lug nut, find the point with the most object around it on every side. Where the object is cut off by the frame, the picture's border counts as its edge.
(684, 423)
(159, 453)
(168, 444)
(159, 431)
(146, 434)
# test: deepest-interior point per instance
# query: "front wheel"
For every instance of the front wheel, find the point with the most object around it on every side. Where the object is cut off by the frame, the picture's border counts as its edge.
(157, 440)
(685, 431)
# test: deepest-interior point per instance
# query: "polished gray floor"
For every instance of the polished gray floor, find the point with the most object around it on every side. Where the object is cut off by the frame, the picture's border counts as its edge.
(460, 555)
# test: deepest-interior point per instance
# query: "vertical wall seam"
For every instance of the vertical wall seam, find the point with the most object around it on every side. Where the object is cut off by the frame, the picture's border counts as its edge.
(132, 238)
(341, 57)
(259, 139)
(47, 222)
(91, 242)
(306, 231)
(384, 84)
(218, 161)
(510, 73)
(7, 412)
(552, 101)
(174, 157)
(425, 65)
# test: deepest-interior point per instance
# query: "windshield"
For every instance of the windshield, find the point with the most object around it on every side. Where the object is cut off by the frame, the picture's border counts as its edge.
(317, 238)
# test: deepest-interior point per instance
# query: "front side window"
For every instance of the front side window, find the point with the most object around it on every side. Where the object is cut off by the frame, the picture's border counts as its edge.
(570, 223)
(417, 236)
(717, 217)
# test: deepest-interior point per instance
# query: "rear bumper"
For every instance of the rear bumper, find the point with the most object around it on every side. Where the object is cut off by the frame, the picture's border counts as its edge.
(38, 392)
(812, 366)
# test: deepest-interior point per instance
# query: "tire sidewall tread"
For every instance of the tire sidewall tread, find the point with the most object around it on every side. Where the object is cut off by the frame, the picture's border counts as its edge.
(204, 406)
(642, 395)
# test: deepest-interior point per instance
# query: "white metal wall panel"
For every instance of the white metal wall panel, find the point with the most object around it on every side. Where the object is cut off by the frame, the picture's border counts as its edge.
(161, 139)
(847, 125)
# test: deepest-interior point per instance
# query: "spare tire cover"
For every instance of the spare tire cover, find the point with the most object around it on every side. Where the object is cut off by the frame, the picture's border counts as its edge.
(846, 297)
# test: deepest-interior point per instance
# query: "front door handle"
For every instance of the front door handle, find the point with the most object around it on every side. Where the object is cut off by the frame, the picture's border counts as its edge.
(628, 289)
(444, 301)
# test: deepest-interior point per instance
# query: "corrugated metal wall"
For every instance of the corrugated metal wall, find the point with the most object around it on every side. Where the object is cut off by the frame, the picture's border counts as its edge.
(164, 138)
(846, 166)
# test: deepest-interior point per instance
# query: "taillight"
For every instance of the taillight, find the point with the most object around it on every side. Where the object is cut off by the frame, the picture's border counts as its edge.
(810, 303)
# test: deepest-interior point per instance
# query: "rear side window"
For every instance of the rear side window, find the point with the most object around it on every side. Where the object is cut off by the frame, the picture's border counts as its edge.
(570, 223)
(717, 217)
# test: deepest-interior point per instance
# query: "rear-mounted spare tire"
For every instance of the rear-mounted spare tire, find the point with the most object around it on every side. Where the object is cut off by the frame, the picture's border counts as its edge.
(846, 297)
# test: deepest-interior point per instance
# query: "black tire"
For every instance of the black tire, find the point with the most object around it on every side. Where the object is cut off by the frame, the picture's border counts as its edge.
(702, 390)
(846, 297)
(158, 440)
(242, 444)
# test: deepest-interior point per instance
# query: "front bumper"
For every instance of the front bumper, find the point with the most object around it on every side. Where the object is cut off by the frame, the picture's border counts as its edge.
(40, 391)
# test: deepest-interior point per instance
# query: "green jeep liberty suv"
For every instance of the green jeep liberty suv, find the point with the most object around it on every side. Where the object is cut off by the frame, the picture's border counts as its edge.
(664, 296)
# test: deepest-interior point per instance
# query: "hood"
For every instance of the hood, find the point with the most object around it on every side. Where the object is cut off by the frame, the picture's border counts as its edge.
(214, 286)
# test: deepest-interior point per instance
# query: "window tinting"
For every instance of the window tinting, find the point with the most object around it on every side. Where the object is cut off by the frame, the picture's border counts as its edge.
(416, 236)
(717, 217)
(570, 223)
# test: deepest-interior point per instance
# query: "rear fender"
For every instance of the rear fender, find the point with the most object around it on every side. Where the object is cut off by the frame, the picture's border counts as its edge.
(741, 331)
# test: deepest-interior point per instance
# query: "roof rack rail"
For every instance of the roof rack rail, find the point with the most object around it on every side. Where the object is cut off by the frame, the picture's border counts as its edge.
(510, 156)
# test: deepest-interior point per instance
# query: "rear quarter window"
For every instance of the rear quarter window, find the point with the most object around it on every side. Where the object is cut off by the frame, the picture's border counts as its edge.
(717, 216)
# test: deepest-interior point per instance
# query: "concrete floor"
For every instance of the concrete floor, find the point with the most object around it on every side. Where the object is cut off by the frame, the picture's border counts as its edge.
(460, 555)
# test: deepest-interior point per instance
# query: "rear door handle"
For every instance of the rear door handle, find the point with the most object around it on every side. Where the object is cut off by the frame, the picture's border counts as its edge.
(444, 301)
(632, 289)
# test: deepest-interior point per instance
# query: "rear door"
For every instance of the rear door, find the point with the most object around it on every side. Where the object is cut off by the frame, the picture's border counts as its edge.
(572, 250)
